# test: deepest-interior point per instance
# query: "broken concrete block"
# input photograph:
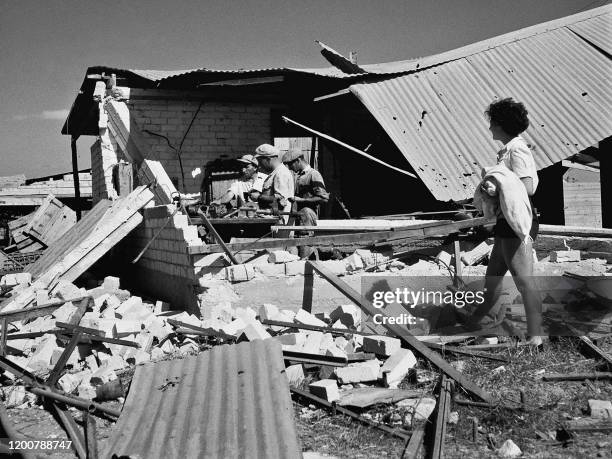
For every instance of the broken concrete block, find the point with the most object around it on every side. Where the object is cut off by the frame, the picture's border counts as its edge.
(381, 345)
(420, 409)
(304, 317)
(323, 316)
(126, 327)
(69, 382)
(100, 300)
(137, 357)
(112, 302)
(14, 396)
(115, 361)
(145, 340)
(156, 353)
(254, 330)
(295, 374)
(92, 362)
(289, 315)
(161, 306)
(334, 351)
(87, 391)
(235, 327)
(65, 312)
(326, 389)
(600, 409)
(326, 341)
(270, 269)
(312, 343)
(509, 449)
(11, 280)
(103, 375)
(188, 347)
(560, 256)
(292, 339)
(341, 342)
(111, 283)
(247, 314)
(444, 258)
(339, 325)
(239, 273)
(42, 297)
(281, 256)
(157, 327)
(348, 314)
(397, 367)
(168, 347)
(477, 254)
(371, 258)
(358, 372)
(353, 263)
(67, 290)
(131, 305)
(295, 268)
(337, 267)
(268, 312)
(41, 358)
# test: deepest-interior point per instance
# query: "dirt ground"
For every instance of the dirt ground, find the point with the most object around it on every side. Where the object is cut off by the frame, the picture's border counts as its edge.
(548, 404)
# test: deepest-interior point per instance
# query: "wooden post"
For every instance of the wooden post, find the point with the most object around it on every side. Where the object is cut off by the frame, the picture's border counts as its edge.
(75, 176)
(458, 263)
(3, 337)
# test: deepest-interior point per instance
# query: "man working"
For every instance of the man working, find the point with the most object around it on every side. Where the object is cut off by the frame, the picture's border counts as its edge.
(278, 187)
(309, 187)
(248, 186)
(309, 192)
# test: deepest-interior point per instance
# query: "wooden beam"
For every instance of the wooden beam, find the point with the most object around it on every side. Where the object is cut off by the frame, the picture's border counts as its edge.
(75, 175)
(585, 231)
(444, 402)
(364, 239)
(402, 333)
(213, 231)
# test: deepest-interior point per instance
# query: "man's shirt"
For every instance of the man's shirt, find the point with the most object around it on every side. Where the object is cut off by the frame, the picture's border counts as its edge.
(240, 187)
(309, 184)
(280, 183)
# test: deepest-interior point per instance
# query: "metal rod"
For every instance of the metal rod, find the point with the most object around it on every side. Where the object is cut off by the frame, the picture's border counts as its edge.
(213, 231)
(353, 149)
(77, 402)
(75, 176)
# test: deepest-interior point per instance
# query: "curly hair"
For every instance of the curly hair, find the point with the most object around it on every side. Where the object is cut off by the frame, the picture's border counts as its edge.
(511, 116)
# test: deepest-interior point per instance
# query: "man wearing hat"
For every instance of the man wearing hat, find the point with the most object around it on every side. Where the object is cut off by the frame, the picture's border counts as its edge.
(248, 186)
(310, 189)
(277, 189)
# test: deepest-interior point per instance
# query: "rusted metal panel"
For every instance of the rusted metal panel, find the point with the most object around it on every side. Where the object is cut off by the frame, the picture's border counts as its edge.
(230, 402)
(436, 116)
(597, 30)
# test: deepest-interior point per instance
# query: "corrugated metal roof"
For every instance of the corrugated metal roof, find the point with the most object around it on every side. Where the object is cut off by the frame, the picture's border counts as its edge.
(435, 116)
(597, 30)
(230, 402)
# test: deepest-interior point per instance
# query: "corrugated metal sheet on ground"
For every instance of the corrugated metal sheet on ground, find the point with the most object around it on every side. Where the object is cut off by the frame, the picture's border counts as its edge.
(230, 402)
(436, 116)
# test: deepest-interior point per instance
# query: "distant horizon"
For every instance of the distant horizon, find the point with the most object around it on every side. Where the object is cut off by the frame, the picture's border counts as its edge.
(49, 46)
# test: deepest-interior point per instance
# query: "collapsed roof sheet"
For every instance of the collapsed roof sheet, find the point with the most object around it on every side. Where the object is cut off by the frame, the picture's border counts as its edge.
(231, 401)
(435, 116)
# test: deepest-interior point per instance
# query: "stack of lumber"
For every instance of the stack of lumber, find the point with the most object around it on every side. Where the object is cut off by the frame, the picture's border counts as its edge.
(42, 227)
(35, 193)
(83, 244)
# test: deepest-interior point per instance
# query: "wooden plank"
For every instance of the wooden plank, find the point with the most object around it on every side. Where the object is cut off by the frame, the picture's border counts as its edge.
(152, 172)
(444, 401)
(363, 397)
(415, 442)
(50, 221)
(402, 333)
(597, 375)
(358, 238)
(213, 231)
(575, 231)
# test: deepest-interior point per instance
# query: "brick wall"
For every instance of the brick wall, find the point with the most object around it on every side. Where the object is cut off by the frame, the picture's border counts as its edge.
(165, 270)
(220, 129)
(103, 158)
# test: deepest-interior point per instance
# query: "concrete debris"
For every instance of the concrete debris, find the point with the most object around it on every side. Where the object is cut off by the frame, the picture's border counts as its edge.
(600, 409)
(304, 317)
(397, 367)
(295, 374)
(281, 256)
(239, 273)
(14, 396)
(381, 345)
(419, 409)
(358, 372)
(477, 254)
(326, 389)
(349, 315)
(561, 256)
(509, 449)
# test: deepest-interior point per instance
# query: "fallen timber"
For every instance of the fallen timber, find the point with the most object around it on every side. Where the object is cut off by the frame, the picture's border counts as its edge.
(362, 239)
(403, 334)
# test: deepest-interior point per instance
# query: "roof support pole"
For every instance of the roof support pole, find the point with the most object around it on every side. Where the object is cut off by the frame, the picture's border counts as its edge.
(75, 175)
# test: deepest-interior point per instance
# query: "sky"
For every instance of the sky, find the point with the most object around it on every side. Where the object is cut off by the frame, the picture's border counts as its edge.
(47, 46)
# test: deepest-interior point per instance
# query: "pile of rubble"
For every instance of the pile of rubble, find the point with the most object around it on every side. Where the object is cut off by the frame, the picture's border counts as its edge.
(130, 331)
